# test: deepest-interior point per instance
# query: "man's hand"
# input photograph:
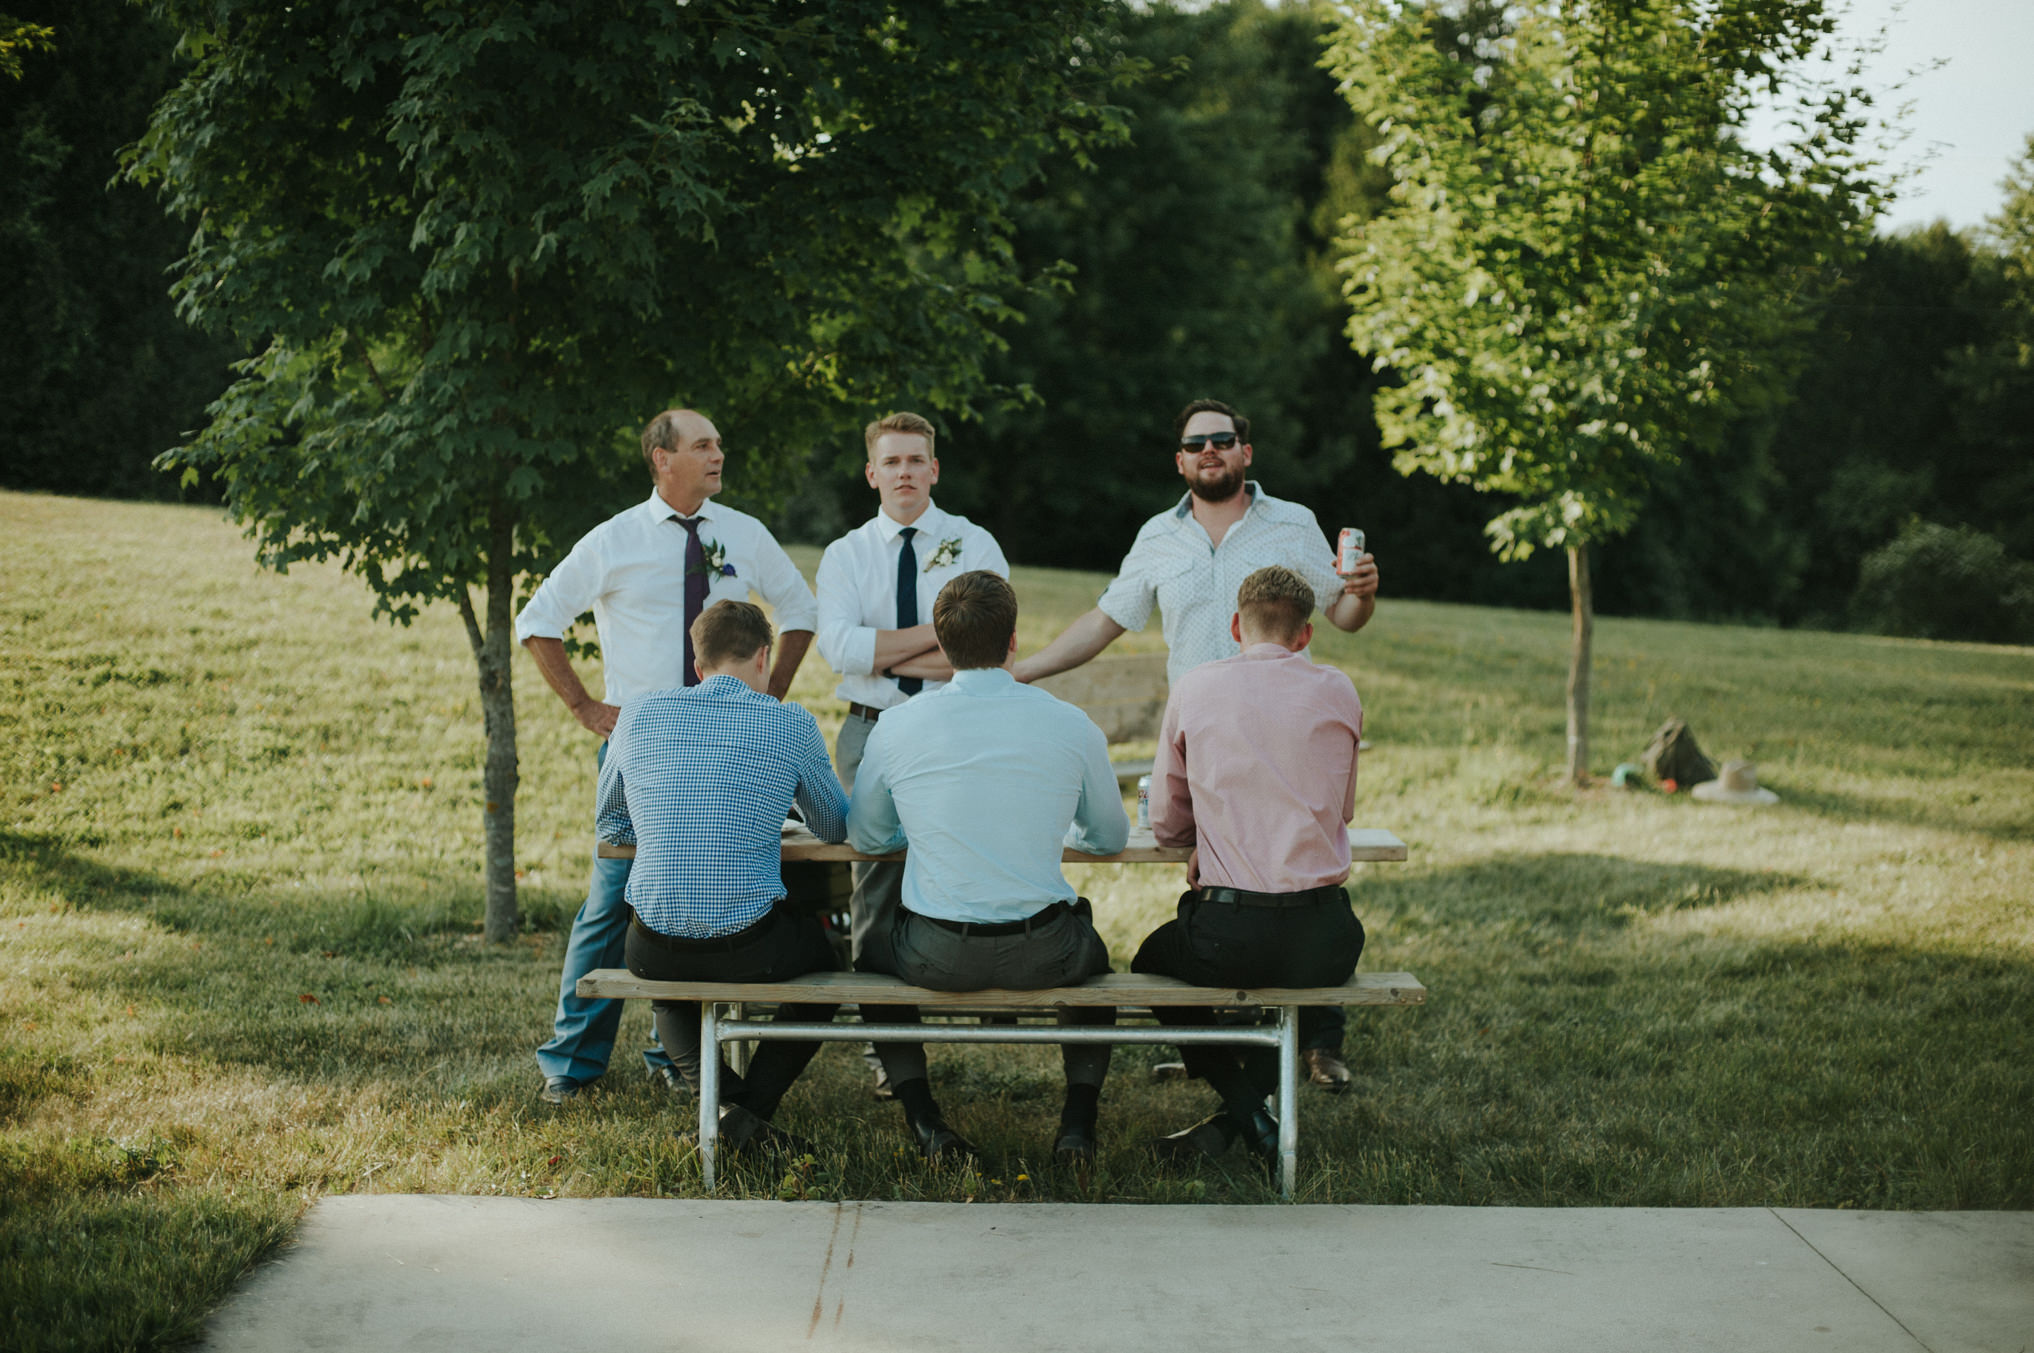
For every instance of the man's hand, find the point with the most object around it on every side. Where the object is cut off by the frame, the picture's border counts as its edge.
(549, 655)
(1194, 867)
(1363, 582)
(1351, 610)
(596, 716)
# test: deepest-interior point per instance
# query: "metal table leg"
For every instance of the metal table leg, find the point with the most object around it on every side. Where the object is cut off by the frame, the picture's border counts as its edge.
(709, 1089)
(1288, 1098)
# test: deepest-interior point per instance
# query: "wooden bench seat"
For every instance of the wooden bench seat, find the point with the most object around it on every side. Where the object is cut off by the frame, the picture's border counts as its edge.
(1122, 991)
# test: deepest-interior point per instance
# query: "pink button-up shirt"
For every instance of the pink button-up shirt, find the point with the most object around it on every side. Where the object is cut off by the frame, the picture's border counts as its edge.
(1256, 766)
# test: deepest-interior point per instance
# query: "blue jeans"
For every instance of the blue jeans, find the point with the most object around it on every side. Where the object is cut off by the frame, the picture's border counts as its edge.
(583, 1030)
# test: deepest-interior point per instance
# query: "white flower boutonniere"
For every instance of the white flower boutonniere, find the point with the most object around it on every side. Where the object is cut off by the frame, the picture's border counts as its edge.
(947, 553)
(717, 565)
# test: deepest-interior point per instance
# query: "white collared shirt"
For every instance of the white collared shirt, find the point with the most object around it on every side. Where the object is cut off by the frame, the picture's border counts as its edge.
(858, 592)
(630, 571)
(1195, 583)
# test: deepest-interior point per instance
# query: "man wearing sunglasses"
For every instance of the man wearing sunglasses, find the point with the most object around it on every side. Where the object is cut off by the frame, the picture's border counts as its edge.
(1190, 560)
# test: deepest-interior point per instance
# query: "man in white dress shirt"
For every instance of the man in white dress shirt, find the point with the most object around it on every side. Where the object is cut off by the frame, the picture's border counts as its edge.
(877, 584)
(1190, 560)
(646, 574)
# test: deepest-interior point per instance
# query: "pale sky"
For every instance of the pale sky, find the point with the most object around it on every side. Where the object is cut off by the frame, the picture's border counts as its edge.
(1971, 117)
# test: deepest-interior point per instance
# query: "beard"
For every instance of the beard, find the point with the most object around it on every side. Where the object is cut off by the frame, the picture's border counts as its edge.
(1217, 486)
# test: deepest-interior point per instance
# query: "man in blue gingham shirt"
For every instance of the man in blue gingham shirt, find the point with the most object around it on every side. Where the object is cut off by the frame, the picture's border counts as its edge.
(699, 779)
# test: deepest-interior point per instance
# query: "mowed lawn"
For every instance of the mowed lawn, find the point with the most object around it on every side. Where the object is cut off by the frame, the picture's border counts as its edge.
(240, 964)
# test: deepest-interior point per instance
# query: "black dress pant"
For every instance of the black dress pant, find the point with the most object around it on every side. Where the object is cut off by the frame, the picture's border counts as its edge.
(1222, 944)
(782, 945)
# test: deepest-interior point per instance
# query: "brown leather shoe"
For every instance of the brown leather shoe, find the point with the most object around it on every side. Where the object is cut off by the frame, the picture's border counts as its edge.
(1326, 1070)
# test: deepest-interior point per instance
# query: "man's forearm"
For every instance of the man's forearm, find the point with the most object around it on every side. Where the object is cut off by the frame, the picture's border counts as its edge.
(549, 655)
(896, 646)
(791, 646)
(930, 665)
(1351, 612)
(1079, 642)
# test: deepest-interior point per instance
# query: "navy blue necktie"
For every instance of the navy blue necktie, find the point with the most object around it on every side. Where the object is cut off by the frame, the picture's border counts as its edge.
(695, 589)
(907, 599)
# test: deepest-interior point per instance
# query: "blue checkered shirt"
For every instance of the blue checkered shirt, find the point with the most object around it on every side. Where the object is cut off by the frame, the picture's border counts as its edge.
(699, 780)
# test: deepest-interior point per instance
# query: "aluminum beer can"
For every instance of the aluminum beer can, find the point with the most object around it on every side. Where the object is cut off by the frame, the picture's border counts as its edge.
(1144, 803)
(1348, 550)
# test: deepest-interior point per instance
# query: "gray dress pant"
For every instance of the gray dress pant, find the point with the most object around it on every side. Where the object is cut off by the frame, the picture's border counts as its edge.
(1060, 949)
(879, 884)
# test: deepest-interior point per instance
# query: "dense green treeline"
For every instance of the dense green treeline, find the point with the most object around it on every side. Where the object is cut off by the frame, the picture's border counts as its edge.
(1894, 491)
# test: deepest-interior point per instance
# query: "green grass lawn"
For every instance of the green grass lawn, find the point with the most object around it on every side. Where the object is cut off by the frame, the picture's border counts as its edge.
(240, 899)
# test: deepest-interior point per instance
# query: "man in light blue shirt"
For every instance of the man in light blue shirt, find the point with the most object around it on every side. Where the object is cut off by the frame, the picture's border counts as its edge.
(986, 781)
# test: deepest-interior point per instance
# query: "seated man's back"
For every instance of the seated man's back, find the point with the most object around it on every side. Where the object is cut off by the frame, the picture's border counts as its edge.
(983, 780)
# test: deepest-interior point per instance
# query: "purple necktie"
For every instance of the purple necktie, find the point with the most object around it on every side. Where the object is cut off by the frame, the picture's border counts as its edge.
(695, 588)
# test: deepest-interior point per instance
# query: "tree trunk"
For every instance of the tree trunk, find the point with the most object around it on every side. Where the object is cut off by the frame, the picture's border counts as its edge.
(491, 653)
(1584, 607)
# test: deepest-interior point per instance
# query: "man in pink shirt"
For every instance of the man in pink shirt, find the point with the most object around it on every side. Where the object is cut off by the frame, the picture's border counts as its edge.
(1256, 770)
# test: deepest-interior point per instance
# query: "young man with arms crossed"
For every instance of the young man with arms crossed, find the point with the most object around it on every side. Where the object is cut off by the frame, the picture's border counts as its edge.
(1256, 770)
(876, 588)
(698, 780)
(1189, 560)
(647, 575)
(982, 779)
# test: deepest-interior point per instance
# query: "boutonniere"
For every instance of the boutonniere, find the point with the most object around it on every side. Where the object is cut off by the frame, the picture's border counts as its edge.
(947, 553)
(717, 565)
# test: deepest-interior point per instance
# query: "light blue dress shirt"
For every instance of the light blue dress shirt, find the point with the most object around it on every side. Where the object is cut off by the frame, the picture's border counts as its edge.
(698, 780)
(986, 781)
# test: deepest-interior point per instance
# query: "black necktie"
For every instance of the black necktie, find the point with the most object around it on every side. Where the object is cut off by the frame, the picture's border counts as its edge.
(695, 589)
(907, 599)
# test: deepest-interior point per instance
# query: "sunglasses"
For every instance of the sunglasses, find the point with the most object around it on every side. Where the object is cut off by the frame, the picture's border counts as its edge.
(1220, 441)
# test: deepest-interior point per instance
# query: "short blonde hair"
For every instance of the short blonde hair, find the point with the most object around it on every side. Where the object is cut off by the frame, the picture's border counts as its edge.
(915, 424)
(1275, 602)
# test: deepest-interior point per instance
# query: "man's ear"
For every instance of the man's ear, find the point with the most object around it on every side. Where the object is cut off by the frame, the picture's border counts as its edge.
(1306, 636)
(1236, 626)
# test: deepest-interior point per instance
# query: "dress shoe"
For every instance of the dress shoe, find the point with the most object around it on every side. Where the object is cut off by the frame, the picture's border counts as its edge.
(1168, 1071)
(672, 1079)
(939, 1143)
(1260, 1137)
(742, 1131)
(1076, 1146)
(881, 1089)
(558, 1089)
(1326, 1070)
(1209, 1137)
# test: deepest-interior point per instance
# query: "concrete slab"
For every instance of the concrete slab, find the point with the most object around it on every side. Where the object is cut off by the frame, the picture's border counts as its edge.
(1960, 1282)
(397, 1272)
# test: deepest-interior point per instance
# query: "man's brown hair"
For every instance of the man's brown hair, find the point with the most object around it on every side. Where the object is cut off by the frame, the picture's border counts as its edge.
(973, 619)
(1275, 603)
(660, 431)
(729, 631)
(911, 423)
(1211, 406)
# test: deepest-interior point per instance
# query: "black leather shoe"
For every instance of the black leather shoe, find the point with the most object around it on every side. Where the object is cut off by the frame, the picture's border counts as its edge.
(1326, 1070)
(1260, 1138)
(939, 1143)
(558, 1089)
(742, 1131)
(1207, 1138)
(1076, 1146)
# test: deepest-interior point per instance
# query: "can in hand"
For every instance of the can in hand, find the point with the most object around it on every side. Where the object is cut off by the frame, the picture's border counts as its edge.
(1349, 550)
(1144, 803)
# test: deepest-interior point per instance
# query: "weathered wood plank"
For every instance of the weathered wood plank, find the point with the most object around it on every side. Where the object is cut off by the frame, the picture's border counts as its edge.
(1110, 989)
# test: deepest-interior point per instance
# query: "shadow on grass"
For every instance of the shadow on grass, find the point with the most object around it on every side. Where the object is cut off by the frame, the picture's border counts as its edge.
(2004, 821)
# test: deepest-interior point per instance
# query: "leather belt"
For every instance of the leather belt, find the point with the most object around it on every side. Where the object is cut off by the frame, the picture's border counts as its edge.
(869, 712)
(991, 929)
(1243, 897)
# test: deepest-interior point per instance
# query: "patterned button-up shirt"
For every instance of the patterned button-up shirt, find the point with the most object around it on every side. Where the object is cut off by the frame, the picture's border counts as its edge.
(1194, 582)
(699, 780)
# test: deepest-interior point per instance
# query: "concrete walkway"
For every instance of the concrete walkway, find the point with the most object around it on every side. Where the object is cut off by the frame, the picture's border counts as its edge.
(506, 1274)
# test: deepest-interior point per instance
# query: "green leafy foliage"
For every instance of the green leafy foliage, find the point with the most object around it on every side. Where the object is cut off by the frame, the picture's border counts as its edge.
(1588, 269)
(97, 374)
(1942, 582)
(476, 246)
